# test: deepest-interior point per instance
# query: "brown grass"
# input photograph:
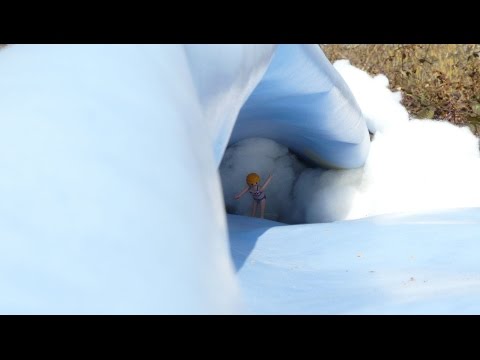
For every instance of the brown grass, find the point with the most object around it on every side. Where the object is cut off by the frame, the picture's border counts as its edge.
(437, 81)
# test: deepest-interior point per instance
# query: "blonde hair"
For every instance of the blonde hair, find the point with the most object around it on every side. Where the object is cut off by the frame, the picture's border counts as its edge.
(253, 178)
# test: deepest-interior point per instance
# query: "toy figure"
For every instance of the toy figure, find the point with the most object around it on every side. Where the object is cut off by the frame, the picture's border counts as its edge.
(257, 192)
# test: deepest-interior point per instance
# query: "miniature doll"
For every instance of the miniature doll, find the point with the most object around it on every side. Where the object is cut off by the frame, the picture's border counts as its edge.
(257, 191)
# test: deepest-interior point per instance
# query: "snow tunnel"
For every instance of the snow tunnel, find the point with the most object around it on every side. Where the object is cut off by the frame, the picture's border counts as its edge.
(311, 120)
(111, 198)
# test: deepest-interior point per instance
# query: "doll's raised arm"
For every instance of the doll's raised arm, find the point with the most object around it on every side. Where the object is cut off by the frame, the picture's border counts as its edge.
(238, 196)
(267, 182)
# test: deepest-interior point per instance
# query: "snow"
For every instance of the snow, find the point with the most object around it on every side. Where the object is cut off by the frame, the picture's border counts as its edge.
(424, 263)
(304, 104)
(111, 201)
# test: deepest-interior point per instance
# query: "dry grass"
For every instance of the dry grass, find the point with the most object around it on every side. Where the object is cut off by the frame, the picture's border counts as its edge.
(437, 81)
